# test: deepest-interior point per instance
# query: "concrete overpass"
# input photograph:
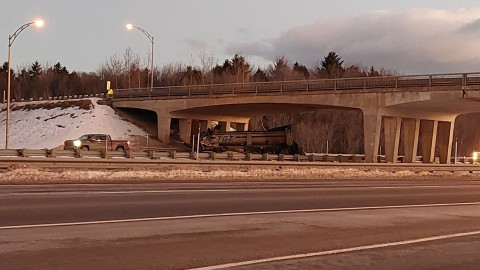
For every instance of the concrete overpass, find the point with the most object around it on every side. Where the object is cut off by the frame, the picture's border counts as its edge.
(417, 107)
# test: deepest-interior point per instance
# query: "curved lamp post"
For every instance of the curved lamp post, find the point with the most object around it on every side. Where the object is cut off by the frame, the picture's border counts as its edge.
(11, 39)
(150, 37)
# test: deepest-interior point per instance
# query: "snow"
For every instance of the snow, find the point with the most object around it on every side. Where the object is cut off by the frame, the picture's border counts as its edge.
(202, 173)
(49, 128)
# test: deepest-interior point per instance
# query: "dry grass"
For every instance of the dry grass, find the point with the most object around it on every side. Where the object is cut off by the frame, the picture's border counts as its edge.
(84, 104)
(30, 175)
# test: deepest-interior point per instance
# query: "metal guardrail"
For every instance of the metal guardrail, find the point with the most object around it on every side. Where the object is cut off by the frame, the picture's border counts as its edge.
(131, 155)
(363, 83)
(172, 154)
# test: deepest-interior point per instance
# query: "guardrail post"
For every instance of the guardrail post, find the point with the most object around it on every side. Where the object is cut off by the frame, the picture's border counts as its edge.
(51, 153)
(281, 87)
(308, 85)
(173, 154)
(396, 82)
(128, 153)
(78, 153)
(23, 152)
(105, 154)
(256, 88)
(265, 157)
(248, 157)
(233, 88)
(230, 156)
(335, 85)
(212, 155)
(430, 81)
(296, 157)
(311, 158)
(281, 157)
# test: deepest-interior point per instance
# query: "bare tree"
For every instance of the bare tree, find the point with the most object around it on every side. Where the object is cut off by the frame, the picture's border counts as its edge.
(207, 60)
(113, 68)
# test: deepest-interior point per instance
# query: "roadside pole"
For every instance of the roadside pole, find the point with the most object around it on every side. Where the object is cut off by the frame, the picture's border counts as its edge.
(456, 149)
(198, 141)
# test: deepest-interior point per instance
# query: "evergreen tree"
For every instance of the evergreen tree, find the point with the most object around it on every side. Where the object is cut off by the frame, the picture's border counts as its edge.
(331, 66)
(300, 72)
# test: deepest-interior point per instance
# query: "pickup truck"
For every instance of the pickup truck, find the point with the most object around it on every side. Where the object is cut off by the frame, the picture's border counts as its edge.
(96, 142)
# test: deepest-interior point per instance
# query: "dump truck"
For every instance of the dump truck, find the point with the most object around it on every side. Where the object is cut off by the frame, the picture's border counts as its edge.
(276, 141)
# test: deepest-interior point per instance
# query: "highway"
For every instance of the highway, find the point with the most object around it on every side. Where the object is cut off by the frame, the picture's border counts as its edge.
(368, 224)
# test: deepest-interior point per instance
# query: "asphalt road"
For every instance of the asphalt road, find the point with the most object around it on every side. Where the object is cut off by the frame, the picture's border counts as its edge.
(323, 225)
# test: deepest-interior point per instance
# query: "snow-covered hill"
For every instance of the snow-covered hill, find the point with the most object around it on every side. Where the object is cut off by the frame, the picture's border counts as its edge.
(48, 124)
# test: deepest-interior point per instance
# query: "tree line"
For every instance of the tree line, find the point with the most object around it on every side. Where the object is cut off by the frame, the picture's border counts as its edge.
(128, 71)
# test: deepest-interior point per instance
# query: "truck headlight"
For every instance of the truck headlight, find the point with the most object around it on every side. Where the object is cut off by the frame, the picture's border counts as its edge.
(77, 143)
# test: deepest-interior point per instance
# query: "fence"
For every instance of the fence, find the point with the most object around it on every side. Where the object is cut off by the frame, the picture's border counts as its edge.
(363, 83)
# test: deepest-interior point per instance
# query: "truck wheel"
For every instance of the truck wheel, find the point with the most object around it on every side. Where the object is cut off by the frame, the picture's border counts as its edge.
(120, 149)
(85, 148)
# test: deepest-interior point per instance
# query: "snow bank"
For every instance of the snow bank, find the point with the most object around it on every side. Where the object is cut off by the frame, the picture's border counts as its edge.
(49, 128)
(202, 173)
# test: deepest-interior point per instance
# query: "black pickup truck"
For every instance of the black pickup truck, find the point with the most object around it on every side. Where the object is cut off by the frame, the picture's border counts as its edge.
(97, 142)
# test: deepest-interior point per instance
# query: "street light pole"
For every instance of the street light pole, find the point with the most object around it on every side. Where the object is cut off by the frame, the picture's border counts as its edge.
(150, 37)
(11, 39)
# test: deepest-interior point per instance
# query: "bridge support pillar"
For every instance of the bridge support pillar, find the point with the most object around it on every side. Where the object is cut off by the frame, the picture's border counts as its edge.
(428, 130)
(225, 125)
(411, 130)
(371, 135)
(445, 141)
(205, 124)
(185, 129)
(241, 126)
(163, 128)
(392, 127)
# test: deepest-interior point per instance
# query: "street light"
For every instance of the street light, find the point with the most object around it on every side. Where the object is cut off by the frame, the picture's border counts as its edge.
(11, 38)
(150, 37)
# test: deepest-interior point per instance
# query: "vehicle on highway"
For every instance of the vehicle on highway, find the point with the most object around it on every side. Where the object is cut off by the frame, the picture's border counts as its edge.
(276, 141)
(96, 142)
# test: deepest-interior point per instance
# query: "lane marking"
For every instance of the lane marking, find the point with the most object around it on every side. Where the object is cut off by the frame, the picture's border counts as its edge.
(339, 251)
(235, 214)
(114, 192)
(222, 190)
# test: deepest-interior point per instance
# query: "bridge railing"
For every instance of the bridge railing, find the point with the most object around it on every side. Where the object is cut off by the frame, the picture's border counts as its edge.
(361, 83)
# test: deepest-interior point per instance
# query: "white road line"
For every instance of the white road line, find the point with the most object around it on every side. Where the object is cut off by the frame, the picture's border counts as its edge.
(339, 251)
(235, 214)
(216, 190)
(114, 192)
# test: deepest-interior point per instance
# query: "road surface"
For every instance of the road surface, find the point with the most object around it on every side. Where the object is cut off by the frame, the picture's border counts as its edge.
(242, 225)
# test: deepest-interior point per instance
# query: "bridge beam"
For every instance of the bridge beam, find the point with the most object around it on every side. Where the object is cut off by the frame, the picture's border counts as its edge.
(445, 141)
(371, 135)
(392, 127)
(428, 131)
(411, 130)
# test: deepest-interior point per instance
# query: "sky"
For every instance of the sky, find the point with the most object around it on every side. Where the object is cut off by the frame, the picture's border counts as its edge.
(407, 37)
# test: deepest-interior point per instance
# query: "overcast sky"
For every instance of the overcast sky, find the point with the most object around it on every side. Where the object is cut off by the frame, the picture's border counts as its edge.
(405, 36)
